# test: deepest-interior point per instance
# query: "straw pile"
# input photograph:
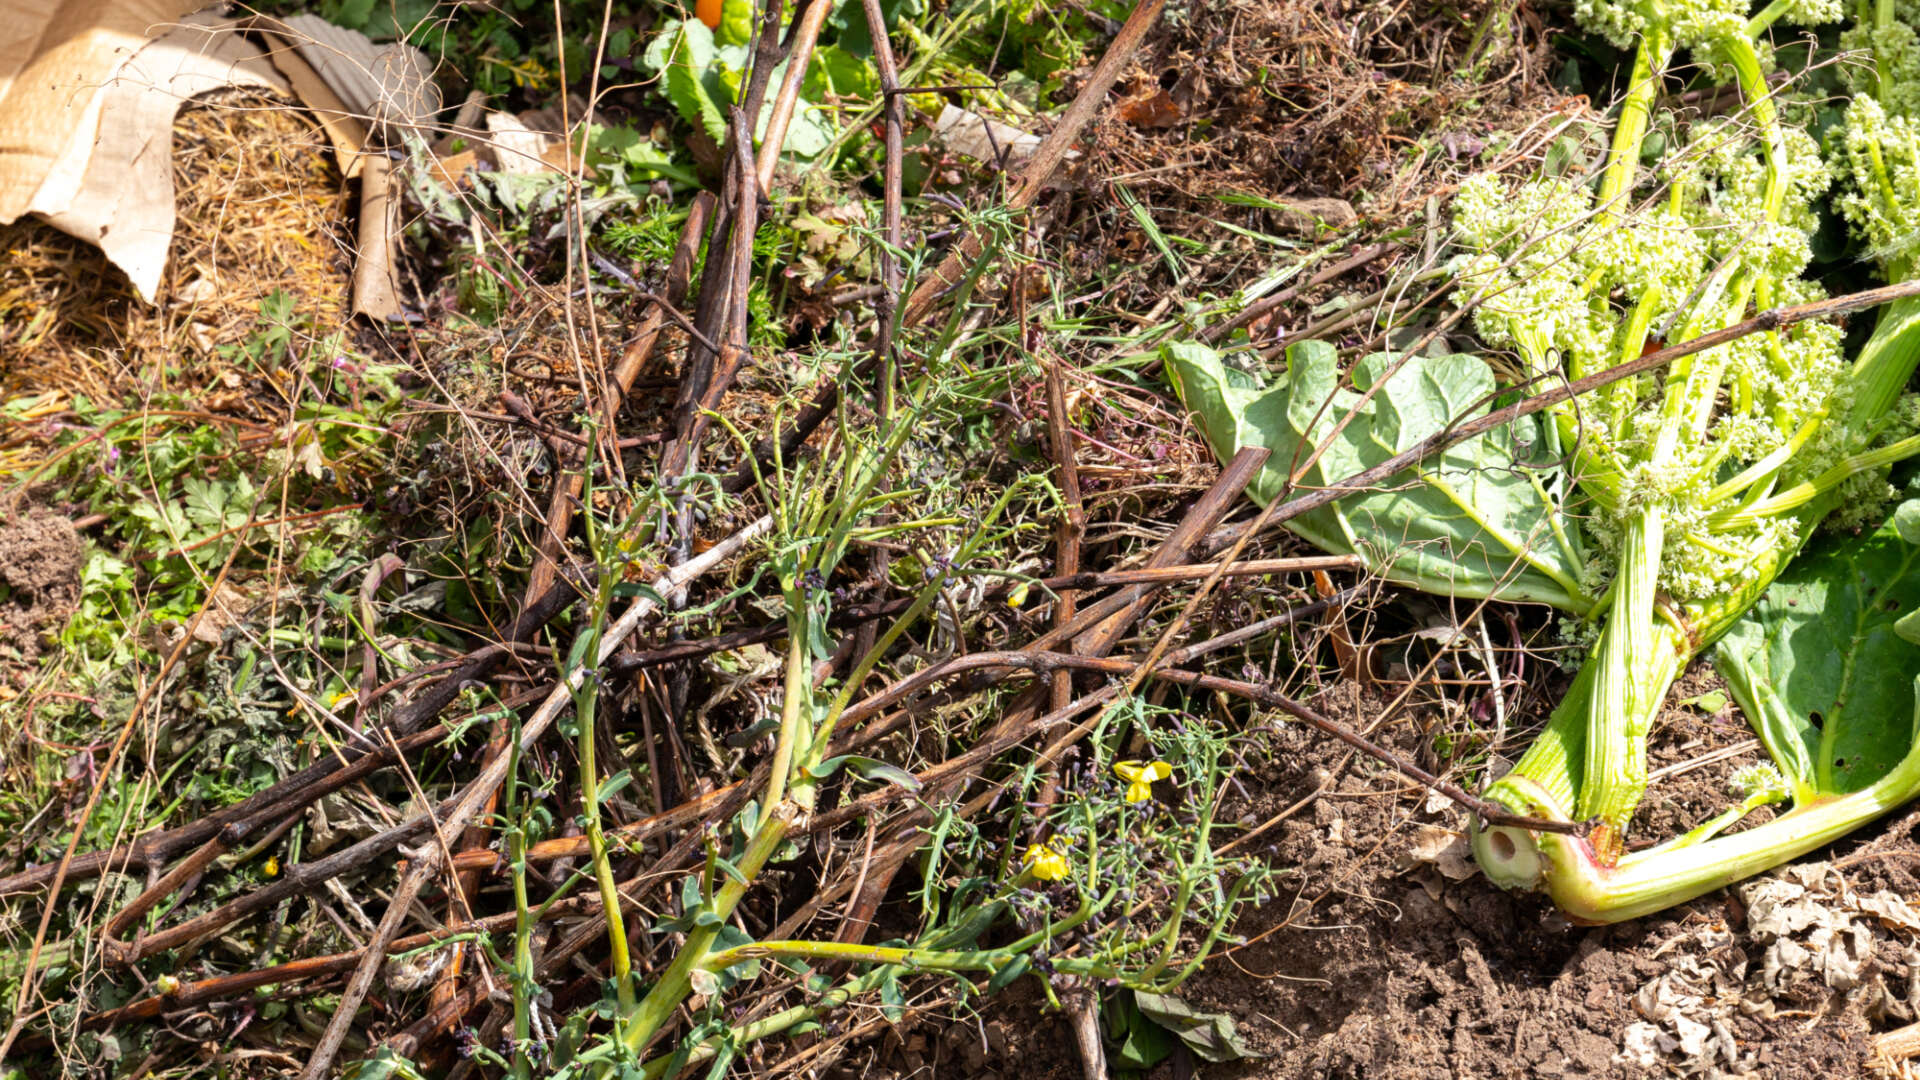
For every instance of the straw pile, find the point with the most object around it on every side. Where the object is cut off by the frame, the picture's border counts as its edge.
(261, 207)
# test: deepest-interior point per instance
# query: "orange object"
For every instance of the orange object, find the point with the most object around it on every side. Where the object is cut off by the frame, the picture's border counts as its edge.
(708, 11)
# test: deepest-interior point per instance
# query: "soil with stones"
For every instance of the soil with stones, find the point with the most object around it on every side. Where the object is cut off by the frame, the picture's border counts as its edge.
(1393, 958)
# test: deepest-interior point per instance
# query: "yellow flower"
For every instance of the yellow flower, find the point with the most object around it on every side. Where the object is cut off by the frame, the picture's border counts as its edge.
(1046, 861)
(272, 867)
(1018, 597)
(1140, 776)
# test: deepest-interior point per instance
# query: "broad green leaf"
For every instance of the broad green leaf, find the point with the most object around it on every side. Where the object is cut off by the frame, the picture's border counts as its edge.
(850, 19)
(1820, 663)
(834, 70)
(683, 53)
(736, 23)
(1211, 1036)
(1136, 1042)
(1481, 519)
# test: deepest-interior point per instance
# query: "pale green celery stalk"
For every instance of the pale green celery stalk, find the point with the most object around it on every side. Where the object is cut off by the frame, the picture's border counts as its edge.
(1888, 358)
(1639, 656)
(1883, 77)
(1769, 15)
(1807, 491)
(1645, 882)
(1636, 112)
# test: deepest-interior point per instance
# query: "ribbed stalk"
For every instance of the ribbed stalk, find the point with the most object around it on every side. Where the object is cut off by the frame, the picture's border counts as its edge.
(1636, 662)
(1557, 758)
(1636, 111)
(1887, 360)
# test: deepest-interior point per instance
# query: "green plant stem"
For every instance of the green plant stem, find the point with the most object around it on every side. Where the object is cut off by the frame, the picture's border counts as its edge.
(676, 982)
(1769, 15)
(586, 700)
(796, 702)
(1807, 491)
(523, 970)
(913, 959)
(1636, 111)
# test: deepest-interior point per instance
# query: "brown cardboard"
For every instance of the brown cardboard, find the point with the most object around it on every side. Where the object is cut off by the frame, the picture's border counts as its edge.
(95, 156)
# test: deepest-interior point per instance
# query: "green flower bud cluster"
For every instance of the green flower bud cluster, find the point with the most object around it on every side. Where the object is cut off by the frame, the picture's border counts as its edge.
(1877, 154)
(1572, 288)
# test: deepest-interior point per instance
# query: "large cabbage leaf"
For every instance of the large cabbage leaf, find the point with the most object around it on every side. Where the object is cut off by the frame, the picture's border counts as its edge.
(1824, 664)
(1482, 519)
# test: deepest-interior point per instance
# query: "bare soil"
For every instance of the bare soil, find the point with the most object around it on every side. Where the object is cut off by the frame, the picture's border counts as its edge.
(1382, 965)
(39, 585)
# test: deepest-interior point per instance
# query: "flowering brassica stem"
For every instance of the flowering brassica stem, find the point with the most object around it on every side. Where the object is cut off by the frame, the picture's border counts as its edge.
(1636, 112)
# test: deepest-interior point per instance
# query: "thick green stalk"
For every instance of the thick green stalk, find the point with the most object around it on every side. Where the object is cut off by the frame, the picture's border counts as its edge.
(1752, 80)
(1769, 15)
(676, 982)
(1638, 658)
(1882, 75)
(1636, 112)
(1807, 491)
(1887, 360)
(1558, 755)
(1587, 888)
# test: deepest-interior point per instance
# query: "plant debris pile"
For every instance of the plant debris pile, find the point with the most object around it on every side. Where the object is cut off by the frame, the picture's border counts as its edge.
(1044, 553)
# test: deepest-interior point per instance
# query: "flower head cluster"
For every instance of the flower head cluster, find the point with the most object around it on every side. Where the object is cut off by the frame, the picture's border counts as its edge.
(1047, 860)
(1692, 24)
(1877, 153)
(1581, 288)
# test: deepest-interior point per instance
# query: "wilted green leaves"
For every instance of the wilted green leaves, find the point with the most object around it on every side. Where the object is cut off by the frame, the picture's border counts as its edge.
(1481, 519)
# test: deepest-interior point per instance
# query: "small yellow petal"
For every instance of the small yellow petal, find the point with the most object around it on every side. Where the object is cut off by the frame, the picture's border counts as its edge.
(272, 867)
(1141, 772)
(1139, 791)
(1045, 862)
